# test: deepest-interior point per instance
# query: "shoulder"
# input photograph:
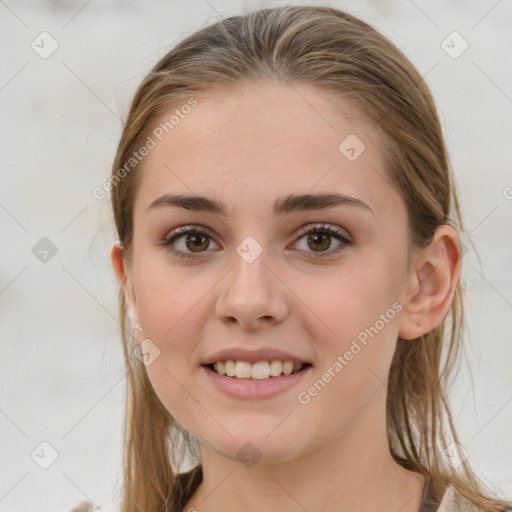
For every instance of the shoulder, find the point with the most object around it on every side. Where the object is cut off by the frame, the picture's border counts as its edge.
(83, 506)
(453, 501)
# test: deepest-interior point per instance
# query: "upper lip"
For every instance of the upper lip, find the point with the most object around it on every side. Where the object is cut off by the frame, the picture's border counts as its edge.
(252, 356)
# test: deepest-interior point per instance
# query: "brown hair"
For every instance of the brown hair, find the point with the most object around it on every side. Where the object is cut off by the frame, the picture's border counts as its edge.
(342, 55)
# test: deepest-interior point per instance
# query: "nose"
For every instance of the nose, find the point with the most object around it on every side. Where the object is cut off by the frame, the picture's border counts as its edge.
(252, 294)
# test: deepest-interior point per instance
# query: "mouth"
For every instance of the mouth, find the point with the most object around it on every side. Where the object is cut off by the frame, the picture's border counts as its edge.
(258, 371)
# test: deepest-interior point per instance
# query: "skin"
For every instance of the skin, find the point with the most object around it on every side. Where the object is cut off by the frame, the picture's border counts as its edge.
(245, 149)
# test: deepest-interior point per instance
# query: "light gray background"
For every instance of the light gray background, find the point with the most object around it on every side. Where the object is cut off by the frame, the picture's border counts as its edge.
(62, 370)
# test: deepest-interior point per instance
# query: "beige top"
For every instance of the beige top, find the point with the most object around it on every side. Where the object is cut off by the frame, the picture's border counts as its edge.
(454, 502)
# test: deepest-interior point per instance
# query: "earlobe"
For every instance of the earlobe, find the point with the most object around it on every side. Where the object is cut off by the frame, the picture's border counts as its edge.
(124, 276)
(435, 273)
(117, 256)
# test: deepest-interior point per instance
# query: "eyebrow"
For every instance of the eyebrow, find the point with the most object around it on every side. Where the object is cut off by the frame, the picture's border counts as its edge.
(286, 204)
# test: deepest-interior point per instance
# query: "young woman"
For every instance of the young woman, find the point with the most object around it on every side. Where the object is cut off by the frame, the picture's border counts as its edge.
(289, 257)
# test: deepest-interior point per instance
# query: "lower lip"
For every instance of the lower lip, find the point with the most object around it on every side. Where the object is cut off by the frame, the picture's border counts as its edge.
(241, 388)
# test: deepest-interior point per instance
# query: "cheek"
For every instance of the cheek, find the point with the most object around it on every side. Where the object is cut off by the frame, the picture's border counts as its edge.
(354, 296)
(360, 316)
(169, 308)
(352, 377)
(157, 300)
(169, 305)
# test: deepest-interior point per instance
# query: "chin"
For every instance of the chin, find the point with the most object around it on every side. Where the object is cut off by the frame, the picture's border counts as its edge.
(254, 445)
(250, 453)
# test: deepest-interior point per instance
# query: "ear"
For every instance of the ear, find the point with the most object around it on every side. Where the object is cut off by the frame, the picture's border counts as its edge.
(125, 276)
(435, 271)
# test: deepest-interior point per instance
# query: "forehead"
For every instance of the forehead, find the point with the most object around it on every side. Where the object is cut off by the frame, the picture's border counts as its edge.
(252, 145)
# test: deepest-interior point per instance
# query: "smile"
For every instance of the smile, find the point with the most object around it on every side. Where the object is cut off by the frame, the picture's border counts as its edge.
(260, 370)
(259, 380)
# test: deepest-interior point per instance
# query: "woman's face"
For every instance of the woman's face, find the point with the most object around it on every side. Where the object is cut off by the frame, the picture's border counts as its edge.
(256, 282)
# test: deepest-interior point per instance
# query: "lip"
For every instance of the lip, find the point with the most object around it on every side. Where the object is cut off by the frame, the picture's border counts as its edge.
(256, 389)
(253, 356)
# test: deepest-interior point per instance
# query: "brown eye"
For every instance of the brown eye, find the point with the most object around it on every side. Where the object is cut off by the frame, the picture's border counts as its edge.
(318, 240)
(187, 241)
(322, 241)
(197, 241)
(192, 241)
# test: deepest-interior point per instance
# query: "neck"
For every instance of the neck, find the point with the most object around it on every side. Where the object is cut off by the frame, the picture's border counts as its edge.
(354, 471)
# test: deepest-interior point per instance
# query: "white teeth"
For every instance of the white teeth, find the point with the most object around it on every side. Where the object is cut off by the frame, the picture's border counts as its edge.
(287, 368)
(230, 368)
(276, 367)
(261, 370)
(243, 370)
(220, 367)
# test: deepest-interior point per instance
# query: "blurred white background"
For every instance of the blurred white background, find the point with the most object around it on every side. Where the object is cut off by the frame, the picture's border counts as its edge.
(62, 373)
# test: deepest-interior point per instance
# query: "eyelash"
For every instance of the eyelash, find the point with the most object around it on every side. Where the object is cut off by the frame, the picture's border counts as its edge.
(201, 230)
